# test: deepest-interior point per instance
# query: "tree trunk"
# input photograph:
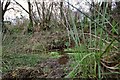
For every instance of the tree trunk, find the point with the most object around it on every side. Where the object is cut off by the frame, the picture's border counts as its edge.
(3, 11)
(61, 8)
(1, 22)
(0, 32)
(43, 14)
(38, 10)
(30, 14)
(0, 17)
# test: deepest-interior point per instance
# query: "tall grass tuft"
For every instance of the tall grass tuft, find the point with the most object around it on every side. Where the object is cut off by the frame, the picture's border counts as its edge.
(93, 47)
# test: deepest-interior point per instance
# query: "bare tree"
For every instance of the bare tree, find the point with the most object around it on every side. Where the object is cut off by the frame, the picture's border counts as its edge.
(29, 11)
(4, 9)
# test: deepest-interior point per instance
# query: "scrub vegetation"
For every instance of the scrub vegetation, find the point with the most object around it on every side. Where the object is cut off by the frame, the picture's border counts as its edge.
(57, 42)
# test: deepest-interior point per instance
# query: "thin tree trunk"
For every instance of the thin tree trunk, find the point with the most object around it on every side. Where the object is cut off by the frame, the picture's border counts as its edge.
(43, 13)
(1, 23)
(38, 10)
(0, 32)
(30, 14)
(50, 12)
(61, 8)
(3, 11)
(0, 17)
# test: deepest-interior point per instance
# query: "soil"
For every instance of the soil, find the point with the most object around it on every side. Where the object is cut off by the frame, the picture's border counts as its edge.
(50, 68)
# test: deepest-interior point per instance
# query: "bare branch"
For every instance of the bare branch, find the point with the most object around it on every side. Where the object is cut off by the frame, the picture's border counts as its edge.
(10, 9)
(38, 9)
(21, 6)
(6, 6)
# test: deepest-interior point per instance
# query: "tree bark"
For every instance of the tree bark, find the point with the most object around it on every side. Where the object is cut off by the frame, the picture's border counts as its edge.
(1, 22)
(0, 17)
(30, 14)
(61, 8)
(38, 10)
(0, 32)
(43, 14)
(3, 11)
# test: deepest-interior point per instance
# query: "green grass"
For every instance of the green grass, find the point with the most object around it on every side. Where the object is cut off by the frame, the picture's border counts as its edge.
(14, 52)
(11, 61)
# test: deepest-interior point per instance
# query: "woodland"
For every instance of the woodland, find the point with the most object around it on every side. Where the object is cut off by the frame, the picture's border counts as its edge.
(60, 41)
